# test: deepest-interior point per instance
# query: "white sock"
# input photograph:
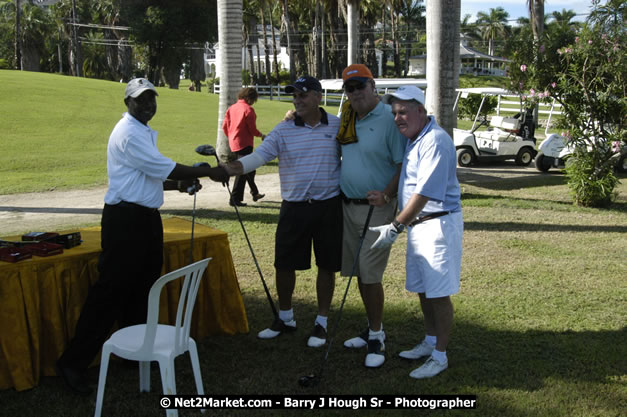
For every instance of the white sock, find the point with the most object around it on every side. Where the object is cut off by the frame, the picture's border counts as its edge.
(439, 356)
(431, 340)
(322, 320)
(286, 315)
(375, 335)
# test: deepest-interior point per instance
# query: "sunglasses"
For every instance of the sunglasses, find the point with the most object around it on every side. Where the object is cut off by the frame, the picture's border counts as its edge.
(353, 87)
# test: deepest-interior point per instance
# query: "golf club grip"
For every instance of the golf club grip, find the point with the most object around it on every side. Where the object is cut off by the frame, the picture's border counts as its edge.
(263, 281)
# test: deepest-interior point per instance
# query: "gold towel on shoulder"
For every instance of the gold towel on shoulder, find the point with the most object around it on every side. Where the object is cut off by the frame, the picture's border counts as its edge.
(347, 133)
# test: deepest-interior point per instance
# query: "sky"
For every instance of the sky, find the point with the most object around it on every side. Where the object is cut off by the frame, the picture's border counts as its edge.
(518, 8)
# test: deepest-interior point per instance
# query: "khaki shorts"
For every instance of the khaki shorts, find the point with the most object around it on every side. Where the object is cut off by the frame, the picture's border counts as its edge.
(371, 263)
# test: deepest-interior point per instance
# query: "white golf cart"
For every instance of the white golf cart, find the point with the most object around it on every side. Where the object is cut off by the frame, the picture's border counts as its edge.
(555, 150)
(506, 137)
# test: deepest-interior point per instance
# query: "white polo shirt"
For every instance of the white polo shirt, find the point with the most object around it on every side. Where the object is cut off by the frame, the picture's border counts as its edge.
(135, 167)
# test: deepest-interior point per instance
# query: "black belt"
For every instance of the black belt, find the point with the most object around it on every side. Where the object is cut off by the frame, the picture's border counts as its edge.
(136, 206)
(429, 217)
(354, 200)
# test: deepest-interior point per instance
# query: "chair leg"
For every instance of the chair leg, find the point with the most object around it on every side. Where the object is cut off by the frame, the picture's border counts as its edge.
(144, 376)
(168, 382)
(102, 379)
(193, 356)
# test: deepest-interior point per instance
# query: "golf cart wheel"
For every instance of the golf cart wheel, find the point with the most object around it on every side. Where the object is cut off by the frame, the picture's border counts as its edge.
(525, 156)
(465, 157)
(542, 162)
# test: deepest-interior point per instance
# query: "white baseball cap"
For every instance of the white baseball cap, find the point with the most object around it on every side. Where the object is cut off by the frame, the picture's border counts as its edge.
(406, 93)
(137, 86)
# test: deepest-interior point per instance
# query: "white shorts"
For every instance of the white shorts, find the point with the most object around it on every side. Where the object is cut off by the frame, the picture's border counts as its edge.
(434, 256)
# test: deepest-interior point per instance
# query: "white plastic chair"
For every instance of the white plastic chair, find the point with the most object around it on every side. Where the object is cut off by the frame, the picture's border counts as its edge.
(158, 342)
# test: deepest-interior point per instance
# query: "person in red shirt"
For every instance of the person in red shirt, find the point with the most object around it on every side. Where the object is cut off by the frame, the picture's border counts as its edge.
(240, 127)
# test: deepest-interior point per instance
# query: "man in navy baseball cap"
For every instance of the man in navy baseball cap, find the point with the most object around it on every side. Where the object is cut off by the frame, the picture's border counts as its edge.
(304, 84)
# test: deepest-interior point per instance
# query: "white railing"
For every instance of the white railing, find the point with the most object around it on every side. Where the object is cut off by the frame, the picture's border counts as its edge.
(277, 91)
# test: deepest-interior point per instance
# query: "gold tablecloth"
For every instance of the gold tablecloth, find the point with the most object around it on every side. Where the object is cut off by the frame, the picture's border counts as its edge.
(41, 298)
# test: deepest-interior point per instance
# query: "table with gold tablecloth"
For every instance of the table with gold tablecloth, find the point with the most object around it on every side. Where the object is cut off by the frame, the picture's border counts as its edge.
(41, 298)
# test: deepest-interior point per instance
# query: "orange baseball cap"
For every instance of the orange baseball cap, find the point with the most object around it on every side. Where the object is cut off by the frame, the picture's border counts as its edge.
(357, 72)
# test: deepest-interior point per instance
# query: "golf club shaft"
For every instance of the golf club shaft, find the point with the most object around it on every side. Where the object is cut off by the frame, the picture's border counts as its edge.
(339, 314)
(191, 246)
(265, 287)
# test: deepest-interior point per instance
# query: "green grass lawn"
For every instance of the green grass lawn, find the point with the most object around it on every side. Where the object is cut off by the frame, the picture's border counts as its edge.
(55, 128)
(539, 321)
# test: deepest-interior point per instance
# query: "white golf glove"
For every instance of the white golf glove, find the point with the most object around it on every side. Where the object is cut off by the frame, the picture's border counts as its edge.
(388, 235)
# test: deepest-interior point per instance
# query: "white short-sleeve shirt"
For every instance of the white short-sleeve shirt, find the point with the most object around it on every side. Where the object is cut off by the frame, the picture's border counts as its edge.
(135, 167)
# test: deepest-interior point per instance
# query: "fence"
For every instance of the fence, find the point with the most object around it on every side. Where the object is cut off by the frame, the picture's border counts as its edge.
(273, 92)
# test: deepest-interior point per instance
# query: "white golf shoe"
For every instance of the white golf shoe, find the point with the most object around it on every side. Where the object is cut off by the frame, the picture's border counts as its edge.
(418, 351)
(429, 369)
(278, 326)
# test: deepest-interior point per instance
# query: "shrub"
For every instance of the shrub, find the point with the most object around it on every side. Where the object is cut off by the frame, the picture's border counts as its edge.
(468, 107)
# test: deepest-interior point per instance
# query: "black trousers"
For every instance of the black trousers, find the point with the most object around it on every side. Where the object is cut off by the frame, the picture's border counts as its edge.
(241, 180)
(130, 262)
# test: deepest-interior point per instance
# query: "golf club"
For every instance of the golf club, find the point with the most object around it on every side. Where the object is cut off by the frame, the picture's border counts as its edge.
(208, 150)
(193, 189)
(312, 380)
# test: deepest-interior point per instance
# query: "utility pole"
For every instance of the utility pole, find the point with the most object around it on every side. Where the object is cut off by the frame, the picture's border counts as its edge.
(18, 35)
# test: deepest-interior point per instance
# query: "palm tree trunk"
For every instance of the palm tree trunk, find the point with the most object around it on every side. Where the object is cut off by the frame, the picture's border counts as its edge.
(18, 35)
(353, 31)
(230, 69)
(274, 51)
(443, 60)
(265, 45)
(384, 56)
(323, 44)
(290, 50)
(317, 42)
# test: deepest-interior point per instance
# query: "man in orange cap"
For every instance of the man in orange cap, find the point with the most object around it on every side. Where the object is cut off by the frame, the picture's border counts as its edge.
(372, 154)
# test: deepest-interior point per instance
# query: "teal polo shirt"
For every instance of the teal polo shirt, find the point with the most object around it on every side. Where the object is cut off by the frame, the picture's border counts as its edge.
(371, 162)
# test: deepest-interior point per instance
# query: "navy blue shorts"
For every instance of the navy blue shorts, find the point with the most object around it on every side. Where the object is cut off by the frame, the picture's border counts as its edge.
(303, 223)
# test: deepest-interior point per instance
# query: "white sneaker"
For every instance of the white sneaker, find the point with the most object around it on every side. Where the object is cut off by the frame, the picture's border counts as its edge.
(429, 369)
(318, 336)
(376, 353)
(420, 350)
(359, 341)
(278, 326)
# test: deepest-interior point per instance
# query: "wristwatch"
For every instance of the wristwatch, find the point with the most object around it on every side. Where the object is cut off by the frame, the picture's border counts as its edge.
(398, 226)
(386, 198)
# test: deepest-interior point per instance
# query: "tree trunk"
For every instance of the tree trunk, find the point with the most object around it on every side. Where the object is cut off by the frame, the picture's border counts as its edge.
(317, 42)
(353, 31)
(197, 70)
(443, 60)
(18, 35)
(397, 46)
(290, 51)
(274, 51)
(323, 44)
(230, 69)
(384, 49)
(266, 52)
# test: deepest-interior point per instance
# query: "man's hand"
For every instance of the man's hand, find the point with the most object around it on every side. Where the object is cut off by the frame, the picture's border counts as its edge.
(289, 115)
(219, 174)
(189, 186)
(388, 235)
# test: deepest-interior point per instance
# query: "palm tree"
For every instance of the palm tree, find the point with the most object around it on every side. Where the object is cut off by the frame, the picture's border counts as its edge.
(352, 21)
(611, 15)
(443, 60)
(493, 25)
(230, 70)
(412, 12)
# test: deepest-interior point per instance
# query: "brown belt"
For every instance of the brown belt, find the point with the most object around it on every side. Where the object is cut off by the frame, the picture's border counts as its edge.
(429, 217)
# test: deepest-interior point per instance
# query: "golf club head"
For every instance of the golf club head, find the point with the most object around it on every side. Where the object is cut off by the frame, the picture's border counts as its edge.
(308, 381)
(206, 150)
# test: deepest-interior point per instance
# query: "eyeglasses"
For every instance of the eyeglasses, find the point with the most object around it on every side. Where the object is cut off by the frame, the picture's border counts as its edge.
(353, 87)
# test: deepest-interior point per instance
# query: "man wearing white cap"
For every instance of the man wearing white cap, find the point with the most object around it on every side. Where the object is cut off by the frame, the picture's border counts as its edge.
(430, 208)
(131, 233)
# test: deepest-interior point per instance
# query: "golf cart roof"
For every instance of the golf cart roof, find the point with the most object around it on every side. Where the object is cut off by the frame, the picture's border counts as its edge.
(488, 91)
(336, 84)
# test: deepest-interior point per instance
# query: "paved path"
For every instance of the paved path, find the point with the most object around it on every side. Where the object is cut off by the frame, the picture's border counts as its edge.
(57, 210)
